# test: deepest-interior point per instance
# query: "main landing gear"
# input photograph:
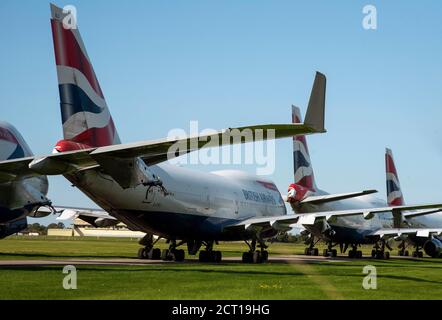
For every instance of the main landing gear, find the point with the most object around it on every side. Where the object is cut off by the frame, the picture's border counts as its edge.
(418, 253)
(330, 252)
(354, 252)
(173, 254)
(209, 255)
(379, 251)
(253, 255)
(403, 252)
(311, 250)
(149, 252)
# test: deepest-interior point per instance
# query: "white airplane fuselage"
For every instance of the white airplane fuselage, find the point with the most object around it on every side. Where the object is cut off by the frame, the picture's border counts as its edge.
(193, 205)
(348, 229)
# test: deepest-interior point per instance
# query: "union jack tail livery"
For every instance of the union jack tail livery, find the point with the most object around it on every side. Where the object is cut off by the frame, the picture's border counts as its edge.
(394, 193)
(86, 118)
(12, 144)
(302, 164)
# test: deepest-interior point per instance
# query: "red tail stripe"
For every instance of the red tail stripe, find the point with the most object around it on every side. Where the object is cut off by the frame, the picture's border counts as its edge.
(69, 53)
(97, 137)
(397, 202)
(391, 168)
(307, 182)
(7, 136)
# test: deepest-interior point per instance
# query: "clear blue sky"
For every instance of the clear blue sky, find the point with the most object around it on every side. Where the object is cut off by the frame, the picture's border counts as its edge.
(231, 63)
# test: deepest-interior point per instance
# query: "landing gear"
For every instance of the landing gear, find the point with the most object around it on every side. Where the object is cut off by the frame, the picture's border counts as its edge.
(253, 255)
(418, 253)
(173, 254)
(311, 250)
(379, 251)
(403, 252)
(209, 255)
(330, 252)
(148, 251)
(354, 252)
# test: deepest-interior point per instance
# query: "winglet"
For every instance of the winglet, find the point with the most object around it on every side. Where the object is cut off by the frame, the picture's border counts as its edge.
(315, 115)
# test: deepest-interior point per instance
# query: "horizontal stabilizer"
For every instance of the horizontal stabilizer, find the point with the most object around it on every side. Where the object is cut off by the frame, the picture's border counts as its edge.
(335, 197)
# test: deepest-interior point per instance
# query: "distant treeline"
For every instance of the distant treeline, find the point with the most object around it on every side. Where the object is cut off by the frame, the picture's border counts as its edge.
(290, 238)
(42, 230)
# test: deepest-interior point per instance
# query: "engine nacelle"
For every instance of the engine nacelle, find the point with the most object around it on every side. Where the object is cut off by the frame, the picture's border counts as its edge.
(10, 228)
(433, 247)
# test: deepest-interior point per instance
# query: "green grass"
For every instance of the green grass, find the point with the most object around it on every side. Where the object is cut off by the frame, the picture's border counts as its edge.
(397, 278)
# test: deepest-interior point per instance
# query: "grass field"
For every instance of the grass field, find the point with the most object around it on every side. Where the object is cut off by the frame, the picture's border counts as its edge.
(396, 278)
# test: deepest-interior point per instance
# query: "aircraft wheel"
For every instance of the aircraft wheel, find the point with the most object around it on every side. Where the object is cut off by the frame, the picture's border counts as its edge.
(217, 256)
(179, 255)
(406, 253)
(400, 253)
(166, 255)
(256, 257)
(156, 254)
(325, 252)
(373, 253)
(315, 251)
(141, 253)
(203, 256)
(359, 254)
(307, 251)
(264, 256)
(379, 255)
(334, 253)
(420, 254)
(351, 254)
(387, 255)
(247, 257)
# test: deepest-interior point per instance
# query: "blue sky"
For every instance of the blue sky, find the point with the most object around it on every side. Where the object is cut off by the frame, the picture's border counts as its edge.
(232, 63)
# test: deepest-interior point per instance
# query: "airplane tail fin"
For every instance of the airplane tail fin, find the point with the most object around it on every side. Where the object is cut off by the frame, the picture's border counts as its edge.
(315, 116)
(86, 119)
(394, 192)
(12, 144)
(302, 164)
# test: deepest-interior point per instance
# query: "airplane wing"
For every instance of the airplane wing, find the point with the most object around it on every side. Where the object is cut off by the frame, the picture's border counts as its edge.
(335, 197)
(96, 217)
(418, 213)
(153, 152)
(419, 232)
(284, 222)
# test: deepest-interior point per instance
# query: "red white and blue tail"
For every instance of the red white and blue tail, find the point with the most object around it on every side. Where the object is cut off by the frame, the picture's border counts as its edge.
(302, 165)
(394, 192)
(12, 144)
(86, 118)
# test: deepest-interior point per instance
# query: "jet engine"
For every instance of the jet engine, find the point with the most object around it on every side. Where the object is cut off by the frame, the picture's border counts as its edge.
(433, 247)
(6, 229)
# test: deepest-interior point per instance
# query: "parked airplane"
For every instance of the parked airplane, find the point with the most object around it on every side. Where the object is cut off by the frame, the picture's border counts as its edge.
(19, 196)
(132, 181)
(332, 218)
(420, 229)
(134, 184)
